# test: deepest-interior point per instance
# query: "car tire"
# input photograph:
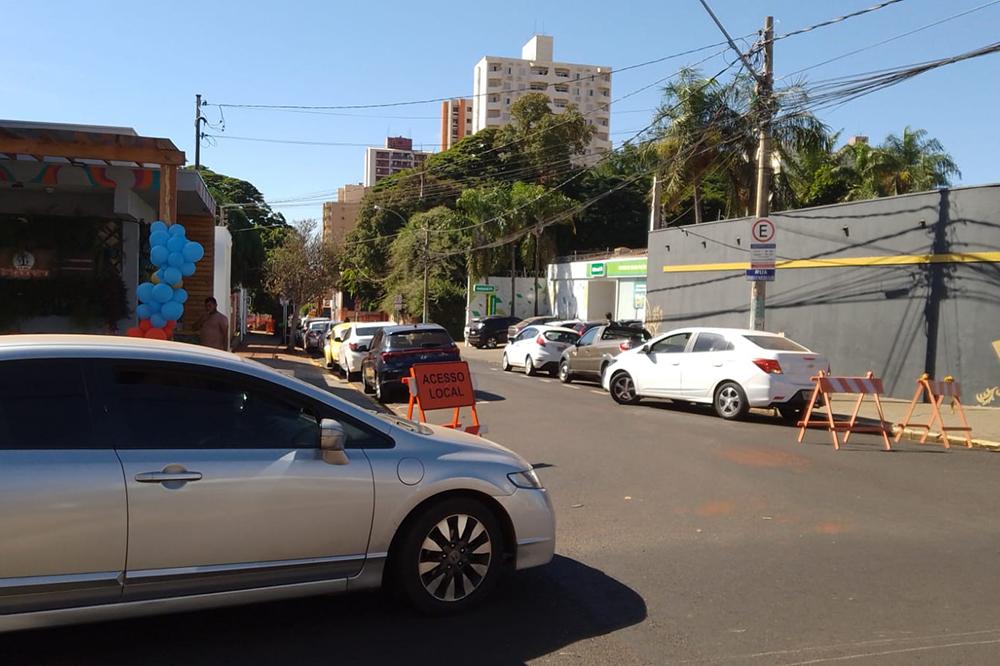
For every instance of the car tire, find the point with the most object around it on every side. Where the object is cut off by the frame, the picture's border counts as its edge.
(364, 384)
(381, 394)
(451, 556)
(505, 363)
(730, 401)
(622, 389)
(529, 367)
(791, 415)
(565, 376)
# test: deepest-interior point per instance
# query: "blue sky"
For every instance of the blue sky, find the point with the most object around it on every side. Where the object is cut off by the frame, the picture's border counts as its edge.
(140, 65)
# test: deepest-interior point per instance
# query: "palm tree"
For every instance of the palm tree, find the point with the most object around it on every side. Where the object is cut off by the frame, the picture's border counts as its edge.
(912, 163)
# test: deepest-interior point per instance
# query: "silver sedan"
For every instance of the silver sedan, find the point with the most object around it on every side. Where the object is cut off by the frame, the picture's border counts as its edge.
(141, 477)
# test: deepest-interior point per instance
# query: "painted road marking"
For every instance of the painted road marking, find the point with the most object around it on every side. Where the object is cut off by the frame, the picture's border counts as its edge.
(597, 392)
(575, 388)
(547, 381)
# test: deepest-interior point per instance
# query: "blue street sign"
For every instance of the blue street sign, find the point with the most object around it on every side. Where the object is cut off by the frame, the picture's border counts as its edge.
(760, 274)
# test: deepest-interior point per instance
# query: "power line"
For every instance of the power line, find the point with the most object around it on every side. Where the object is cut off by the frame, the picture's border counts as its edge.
(838, 19)
(300, 107)
(892, 39)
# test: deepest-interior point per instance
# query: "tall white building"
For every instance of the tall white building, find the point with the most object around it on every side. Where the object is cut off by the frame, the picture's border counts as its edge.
(397, 155)
(500, 81)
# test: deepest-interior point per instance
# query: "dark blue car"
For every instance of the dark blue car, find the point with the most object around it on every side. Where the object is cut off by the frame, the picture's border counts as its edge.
(395, 349)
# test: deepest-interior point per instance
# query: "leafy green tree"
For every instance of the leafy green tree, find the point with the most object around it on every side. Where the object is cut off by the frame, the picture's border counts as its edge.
(909, 163)
(540, 143)
(301, 268)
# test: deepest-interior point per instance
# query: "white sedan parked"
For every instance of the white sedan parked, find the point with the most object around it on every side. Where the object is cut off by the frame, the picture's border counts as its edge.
(732, 369)
(538, 348)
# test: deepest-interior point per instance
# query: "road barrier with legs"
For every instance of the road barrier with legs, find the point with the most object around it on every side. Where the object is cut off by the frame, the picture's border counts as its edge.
(860, 386)
(443, 386)
(935, 391)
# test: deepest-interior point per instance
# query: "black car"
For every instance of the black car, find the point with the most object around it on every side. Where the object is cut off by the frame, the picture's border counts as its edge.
(395, 349)
(489, 331)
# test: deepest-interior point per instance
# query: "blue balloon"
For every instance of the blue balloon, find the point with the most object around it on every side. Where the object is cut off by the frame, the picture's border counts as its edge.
(172, 310)
(153, 307)
(162, 292)
(187, 269)
(144, 292)
(176, 243)
(157, 321)
(158, 254)
(157, 226)
(175, 259)
(158, 238)
(171, 276)
(180, 295)
(193, 251)
(143, 311)
(177, 230)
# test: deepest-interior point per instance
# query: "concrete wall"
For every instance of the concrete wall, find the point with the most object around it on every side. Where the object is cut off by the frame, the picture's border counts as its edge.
(524, 301)
(897, 320)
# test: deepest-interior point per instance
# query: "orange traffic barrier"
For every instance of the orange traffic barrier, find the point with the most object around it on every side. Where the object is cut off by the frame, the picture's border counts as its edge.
(443, 386)
(935, 392)
(861, 386)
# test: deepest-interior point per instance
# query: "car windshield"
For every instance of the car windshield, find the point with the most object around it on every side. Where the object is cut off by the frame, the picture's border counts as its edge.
(561, 336)
(419, 338)
(366, 330)
(775, 343)
(318, 326)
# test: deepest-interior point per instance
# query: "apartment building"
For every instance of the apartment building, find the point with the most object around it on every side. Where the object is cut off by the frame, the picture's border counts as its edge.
(456, 121)
(397, 155)
(498, 82)
(341, 216)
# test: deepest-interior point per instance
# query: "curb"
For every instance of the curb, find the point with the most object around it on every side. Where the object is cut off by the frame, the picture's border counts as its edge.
(915, 435)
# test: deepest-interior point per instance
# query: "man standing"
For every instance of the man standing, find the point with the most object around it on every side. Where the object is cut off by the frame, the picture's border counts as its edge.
(213, 327)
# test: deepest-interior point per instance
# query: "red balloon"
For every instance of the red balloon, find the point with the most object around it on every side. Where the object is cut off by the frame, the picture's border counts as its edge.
(156, 334)
(145, 325)
(134, 332)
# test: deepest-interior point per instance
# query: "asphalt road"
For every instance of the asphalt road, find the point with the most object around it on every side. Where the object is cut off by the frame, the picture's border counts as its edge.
(681, 539)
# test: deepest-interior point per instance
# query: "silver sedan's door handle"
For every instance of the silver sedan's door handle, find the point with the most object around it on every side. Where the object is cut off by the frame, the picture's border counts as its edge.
(160, 477)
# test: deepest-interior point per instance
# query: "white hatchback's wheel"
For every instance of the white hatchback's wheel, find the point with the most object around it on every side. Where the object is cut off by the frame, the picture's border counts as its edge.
(504, 363)
(451, 556)
(529, 367)
(730, 401)
(623, 389)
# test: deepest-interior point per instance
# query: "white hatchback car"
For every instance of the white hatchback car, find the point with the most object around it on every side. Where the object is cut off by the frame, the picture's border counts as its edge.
(732, 369)
(538, 347)
(354, 346)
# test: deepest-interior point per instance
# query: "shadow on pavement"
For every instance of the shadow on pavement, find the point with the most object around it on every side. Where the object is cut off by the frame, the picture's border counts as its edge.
(537, 612)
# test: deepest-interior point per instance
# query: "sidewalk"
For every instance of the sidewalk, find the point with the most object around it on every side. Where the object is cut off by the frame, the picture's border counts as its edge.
(268, 350)
(985, 421)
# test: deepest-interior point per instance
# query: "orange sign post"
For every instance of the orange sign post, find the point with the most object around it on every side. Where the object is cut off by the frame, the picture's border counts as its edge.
(442, 386)
(936, 392)
(861, 386)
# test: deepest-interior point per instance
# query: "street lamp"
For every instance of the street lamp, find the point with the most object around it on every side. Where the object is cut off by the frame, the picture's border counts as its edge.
(424, 317)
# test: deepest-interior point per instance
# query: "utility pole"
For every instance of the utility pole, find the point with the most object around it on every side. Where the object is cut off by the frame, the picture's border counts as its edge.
(427, 252)
(765, 86)
(197, 132)
(654, 205)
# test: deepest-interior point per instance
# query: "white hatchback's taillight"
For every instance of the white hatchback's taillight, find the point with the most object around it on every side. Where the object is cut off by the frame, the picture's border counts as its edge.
(540, 341)
(625, 346)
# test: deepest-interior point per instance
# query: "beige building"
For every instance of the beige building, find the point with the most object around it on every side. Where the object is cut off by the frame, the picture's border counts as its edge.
(498, 82)
(397, 155)
(341, 216)
(456, 121)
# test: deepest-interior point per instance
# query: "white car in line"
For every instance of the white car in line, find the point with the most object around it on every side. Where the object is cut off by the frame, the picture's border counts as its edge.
(354, 346)
(538, 348)
(731, 369)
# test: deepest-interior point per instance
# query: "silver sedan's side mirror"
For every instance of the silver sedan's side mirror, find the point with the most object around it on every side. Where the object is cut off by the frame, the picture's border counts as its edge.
(332, 438)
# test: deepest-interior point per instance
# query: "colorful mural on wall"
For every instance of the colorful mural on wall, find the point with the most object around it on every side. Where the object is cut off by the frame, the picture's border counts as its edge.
(161, 300)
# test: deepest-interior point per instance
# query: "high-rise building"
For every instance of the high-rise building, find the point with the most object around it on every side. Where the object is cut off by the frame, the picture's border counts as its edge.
(341, 216)
(498, 82)
(456, 121)
(398, 154)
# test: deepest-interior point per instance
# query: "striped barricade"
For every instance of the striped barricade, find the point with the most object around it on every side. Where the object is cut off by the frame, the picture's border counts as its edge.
(860, 386)
(935, 392)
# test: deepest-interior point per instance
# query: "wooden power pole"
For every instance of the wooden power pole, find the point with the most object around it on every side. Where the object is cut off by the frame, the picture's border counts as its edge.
(765, 86)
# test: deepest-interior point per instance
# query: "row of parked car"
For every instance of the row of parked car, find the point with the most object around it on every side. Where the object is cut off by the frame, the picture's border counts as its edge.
(731, 369)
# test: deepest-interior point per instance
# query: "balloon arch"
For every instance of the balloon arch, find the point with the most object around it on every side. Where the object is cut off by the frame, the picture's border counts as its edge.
(161, 300)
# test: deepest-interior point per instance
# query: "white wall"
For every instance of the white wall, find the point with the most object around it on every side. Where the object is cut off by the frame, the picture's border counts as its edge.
(222, 287)
(524, 303)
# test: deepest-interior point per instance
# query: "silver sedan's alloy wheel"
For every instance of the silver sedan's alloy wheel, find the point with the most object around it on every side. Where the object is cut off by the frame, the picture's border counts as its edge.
(623, 388)
(564, 374)
(455, 557)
